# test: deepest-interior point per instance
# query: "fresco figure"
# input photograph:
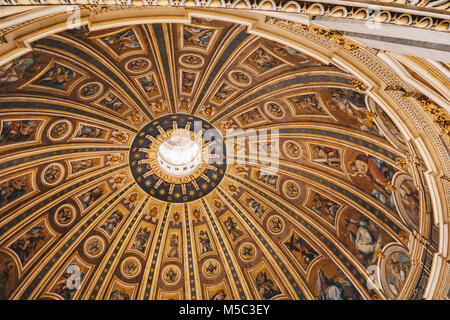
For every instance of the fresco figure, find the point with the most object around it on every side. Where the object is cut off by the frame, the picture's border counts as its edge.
(123, 40)
(174, 244)
(301, 247)
(149, 84)
(373, 174)
(352, 106)
(257, 207)
(409, 196)
(262, 60)
(113, 102)
(141, 239)
(5, 275)
(326, 155)
(91, 196)
(325, 206)
(197, 37)
(187, 81)
(285, 50)
(28, 244)
(266, 178)
(12, 189)
(365, 237)
(219, 295)
(17, 131)
(205, 242)
(16, 69)
(224, 91)
(232, 229)
(335, 288)
(119, 294)
(397, 267)
(306, 104)
(266, 287)
(57, 76)
(250, 116)
(89, 132)
(112, 222)
(80, 165)
(69, 282)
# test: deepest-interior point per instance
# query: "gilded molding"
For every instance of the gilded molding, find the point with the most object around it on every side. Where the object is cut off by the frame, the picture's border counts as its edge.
(439, 116)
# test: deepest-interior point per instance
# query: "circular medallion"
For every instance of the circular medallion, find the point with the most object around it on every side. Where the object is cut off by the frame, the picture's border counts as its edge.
(138, 65)
(247, 251)
(178, 158)
(239, 78)
(394, 267)
(171, 274)
(291, 189)
(94, 246)
(90, 90)
(275, 224)
(211, 268)
(65, 215)
(130, 267)
(191, 60)
(52, 174)
(59, 130)
(274, 110)
(292, 149)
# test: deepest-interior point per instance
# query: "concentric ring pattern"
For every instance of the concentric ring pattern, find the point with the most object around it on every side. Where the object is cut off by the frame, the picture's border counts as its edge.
(313, 199)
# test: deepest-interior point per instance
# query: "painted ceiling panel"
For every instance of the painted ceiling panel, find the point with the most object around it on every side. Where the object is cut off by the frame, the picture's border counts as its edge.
(309, 198)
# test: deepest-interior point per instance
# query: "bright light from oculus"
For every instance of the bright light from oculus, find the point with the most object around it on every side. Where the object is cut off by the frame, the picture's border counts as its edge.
(179, 155)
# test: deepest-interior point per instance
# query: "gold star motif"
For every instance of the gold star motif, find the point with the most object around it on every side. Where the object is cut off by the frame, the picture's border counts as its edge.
(162, 191)
(204, 186)
(177, 195)
(148, 183)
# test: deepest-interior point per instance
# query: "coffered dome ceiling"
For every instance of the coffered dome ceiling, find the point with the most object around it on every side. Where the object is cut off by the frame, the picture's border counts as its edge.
(311, 191)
